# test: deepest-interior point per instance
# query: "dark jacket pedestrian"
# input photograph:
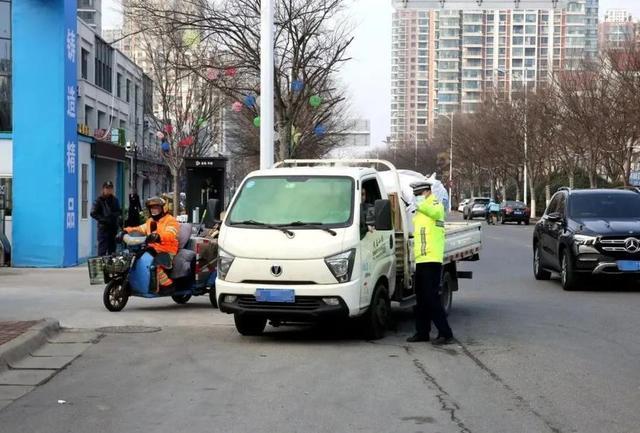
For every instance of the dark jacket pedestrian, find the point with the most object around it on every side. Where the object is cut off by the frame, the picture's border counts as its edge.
(106, 211)
(135, 207)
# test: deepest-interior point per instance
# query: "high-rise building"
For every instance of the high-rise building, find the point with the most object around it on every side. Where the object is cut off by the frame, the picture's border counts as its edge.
(90, 11)
(444, 61)
(616, 30)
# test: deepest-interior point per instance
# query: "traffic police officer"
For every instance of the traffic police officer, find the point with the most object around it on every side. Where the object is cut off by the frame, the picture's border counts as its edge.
(428, 247)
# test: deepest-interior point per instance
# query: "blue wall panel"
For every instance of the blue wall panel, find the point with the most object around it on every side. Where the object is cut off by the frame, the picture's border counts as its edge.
(44, 136)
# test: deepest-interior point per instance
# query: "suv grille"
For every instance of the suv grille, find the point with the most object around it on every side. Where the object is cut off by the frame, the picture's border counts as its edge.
(306, 303)
(629, 245)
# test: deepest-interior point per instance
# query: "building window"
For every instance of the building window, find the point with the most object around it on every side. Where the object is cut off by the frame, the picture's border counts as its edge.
(6, 196)
(128, 90)
(84, 179)
(103, 64)
(5, 66)
(84, 63)
(119, 85)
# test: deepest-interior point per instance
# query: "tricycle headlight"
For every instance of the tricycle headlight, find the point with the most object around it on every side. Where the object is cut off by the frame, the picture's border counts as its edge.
(224, 263)
(341, 265)
(584, 240)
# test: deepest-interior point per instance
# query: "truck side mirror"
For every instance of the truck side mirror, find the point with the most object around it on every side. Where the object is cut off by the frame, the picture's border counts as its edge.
(383, 214)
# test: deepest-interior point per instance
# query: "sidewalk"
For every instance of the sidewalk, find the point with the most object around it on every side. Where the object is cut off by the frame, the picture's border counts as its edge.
(13, 329)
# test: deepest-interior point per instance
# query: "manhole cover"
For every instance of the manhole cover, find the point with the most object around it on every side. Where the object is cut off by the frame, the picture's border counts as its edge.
(128, 329)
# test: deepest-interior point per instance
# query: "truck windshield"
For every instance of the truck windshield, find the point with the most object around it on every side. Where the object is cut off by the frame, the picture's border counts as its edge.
(604, 205)
(317, 200)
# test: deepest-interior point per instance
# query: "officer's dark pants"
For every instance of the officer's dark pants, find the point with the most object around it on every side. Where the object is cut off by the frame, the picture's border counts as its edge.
(106, 242)
(429, 308)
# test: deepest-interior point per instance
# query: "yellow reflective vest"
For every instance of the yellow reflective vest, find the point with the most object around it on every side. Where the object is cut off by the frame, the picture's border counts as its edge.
(428, 235)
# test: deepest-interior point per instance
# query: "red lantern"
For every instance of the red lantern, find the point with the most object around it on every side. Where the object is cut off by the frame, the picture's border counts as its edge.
(186, 142)
(212, 74)
(230, 72)
(237, 106)
(168, 129)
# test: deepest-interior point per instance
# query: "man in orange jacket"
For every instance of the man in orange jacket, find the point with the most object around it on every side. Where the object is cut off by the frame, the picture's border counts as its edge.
(162, 238)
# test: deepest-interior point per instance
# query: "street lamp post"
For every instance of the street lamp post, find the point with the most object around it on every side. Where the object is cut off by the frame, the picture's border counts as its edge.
(450, 117)
(524, 75)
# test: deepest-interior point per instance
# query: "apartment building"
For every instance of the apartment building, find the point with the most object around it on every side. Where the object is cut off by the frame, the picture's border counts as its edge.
(445, 60)
(616, 30)
(90, 11)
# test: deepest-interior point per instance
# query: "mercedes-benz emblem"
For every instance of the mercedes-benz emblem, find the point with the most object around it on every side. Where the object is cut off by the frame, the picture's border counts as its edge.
(276, 270)
(632, 245)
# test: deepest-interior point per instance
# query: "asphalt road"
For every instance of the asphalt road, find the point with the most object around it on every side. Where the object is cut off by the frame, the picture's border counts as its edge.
(530, 358)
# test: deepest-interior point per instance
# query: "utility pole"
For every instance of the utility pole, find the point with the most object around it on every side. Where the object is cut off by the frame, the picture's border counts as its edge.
(524, 76)
(450, 161)
(266, 84)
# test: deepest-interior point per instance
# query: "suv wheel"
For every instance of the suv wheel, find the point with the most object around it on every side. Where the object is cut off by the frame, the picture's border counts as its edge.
(568, 274)
(538, 272)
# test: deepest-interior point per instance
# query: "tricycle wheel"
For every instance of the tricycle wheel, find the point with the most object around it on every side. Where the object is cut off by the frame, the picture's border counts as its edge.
(115, 296)
(212, 297)
(181, 299)
(250, 325)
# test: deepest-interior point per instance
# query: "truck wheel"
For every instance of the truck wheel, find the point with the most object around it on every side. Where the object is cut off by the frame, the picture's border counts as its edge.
(249, 325)
(446, 292)
(115, 296)
(538, 272)
(181, 299)
(376, 320)
(212, 297)
(568, 275)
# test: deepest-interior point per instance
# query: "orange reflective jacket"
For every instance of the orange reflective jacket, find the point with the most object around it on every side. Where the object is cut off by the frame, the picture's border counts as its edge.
(167, 228)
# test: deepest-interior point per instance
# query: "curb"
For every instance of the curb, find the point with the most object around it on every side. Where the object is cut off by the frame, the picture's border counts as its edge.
(26, 343)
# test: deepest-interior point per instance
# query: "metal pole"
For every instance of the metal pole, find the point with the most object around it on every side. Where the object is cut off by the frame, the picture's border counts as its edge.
(525, 141)
(450, 161)
(415, 156)
(266, 84)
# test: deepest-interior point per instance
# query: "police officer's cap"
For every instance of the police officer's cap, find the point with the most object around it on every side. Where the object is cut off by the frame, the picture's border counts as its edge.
(420, 187)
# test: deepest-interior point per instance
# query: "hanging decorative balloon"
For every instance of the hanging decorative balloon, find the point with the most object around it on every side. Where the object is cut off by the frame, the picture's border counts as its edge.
(159, 135)
(256, 122)
(168, 128)
(191, 38)
(320, 130)
(212, 74)
(297, 85)
(250, 101)
(315, 101)
(237, 106)
(230, 72)
(165, 146)
(200, 122)
(186, 142)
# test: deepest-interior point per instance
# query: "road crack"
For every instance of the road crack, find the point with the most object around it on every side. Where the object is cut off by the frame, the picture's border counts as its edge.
(447, 404)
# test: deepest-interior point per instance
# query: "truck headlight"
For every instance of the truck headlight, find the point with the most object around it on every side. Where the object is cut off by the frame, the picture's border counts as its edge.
(584, 240)
(224, 263)
(341, 265)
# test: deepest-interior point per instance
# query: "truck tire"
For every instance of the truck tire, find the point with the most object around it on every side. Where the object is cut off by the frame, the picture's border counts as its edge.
(249, 325)
(538, 271)
(115, 296)
(376, 320)
(568, 275)
(446, 292)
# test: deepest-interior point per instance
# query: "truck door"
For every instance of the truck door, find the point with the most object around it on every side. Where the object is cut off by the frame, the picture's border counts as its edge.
(376, 247)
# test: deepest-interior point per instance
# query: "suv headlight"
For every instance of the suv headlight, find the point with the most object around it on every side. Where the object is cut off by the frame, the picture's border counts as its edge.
(584, 240)
(341, 265)
(224, 263)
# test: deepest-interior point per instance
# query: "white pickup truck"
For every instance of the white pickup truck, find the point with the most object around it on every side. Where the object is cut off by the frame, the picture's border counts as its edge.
(315, 239)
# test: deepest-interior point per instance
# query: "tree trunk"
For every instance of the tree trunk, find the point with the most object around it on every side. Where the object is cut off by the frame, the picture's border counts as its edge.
(492, 188)
(533, 199)
(176, 193)
(593, 181)
(572, 179)
(504, 191)
(518, 190)
(547, 194)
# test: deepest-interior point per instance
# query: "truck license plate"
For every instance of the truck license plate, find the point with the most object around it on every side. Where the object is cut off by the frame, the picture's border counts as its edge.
(629, 265)
(276, 295)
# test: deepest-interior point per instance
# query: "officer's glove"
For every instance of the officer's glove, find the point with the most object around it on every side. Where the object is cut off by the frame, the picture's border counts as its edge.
(153, 238)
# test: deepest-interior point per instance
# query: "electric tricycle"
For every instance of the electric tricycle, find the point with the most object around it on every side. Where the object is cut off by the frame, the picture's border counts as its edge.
(132, 271)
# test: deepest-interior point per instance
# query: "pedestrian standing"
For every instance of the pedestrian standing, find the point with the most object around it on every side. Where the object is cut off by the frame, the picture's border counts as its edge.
(106, 211)
(133, 217)
(428, 247)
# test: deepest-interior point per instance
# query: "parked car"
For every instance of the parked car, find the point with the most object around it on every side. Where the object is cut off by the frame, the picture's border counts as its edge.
(514, 211)
(462, 204)
(588, 233)
(476, 207)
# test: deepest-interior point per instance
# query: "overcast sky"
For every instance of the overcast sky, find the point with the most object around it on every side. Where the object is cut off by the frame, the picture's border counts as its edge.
(367, 77)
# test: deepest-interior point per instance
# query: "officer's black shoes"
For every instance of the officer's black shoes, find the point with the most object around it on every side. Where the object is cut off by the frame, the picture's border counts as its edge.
(441, 341)
(417, 337)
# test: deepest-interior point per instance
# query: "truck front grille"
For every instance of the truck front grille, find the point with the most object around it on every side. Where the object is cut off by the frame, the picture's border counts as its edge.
(306, 303)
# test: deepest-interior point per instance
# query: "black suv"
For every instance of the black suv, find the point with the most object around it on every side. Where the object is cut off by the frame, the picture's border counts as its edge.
(588, 232)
